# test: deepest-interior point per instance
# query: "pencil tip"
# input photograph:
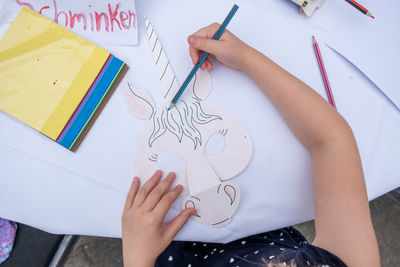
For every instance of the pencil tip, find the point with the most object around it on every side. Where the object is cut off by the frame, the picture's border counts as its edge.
(168, 109)
(370, 15)
(313, 39)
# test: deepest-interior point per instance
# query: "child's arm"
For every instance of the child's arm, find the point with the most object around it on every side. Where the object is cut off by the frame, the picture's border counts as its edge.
(144, 233)
(342, 218)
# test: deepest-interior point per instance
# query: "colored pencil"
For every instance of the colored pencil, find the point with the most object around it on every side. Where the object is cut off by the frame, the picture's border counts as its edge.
(360, 8)
(323, 73)
(203, 56)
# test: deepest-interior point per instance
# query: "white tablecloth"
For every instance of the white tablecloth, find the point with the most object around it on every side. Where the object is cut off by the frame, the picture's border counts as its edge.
(48, 187)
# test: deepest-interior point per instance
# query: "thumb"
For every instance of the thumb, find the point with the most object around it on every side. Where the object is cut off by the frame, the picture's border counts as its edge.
(178, 222)
(204, 44)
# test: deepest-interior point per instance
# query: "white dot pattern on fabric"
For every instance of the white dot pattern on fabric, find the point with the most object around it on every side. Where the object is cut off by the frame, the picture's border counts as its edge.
(243, 242)
(308, 263)
(195, 255)
(281, 239)
(205, 245)
(281, 234)
(194, 244)
(296, 247)
(206, 256)
(189, 265)
(231, 260)
(265, 236)
(170, 258)
(281, 248)
(214, 249)
(256, 252)
(272, 243)
(271, 257)
(221, 251)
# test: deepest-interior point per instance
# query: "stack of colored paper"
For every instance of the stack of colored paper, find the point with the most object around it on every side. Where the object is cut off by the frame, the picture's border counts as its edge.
(54, 80)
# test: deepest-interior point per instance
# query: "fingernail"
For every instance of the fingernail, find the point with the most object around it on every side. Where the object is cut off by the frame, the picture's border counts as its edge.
(192, 39)
(171, 175)
(193, 211)
(179, 187)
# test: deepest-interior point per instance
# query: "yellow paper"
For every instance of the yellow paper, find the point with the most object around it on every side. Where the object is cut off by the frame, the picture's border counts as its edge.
(45, 71)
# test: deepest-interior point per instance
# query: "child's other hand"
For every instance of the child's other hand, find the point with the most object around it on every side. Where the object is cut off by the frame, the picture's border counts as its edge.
(228, 49)
(144, 233)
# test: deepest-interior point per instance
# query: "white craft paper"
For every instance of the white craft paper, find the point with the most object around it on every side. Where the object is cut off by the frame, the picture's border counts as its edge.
(101, 22)
(373, 44)
(49, 187)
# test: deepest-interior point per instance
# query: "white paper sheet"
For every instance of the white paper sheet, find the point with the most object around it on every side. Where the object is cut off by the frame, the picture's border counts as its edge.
(49, 187)
(373, 44)
(101, 22)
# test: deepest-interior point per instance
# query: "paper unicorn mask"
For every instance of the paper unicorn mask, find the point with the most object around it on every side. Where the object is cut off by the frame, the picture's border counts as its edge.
(184, 131)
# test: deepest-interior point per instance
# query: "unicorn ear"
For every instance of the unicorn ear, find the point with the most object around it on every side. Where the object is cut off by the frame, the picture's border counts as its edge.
(200, 85)
(139, 102)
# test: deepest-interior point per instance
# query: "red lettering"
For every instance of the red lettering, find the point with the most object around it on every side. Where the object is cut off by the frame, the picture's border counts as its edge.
(79, 17)
(124, 21)
(98, 21)
(124, 17)
(113, 17)
(56, 14)
(132, 15)
(25, 4)
(91, 21)
(45, 7)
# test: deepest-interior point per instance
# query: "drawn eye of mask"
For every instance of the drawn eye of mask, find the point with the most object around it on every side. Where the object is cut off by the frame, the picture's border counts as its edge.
(215, 143)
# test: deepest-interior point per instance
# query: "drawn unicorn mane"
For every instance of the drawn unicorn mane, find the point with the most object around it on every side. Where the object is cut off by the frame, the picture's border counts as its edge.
(182, 120)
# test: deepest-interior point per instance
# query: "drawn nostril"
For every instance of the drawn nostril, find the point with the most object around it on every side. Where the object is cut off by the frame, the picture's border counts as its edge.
(169, 162)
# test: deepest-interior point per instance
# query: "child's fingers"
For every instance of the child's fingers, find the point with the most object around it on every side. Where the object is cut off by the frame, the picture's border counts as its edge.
(194, 54)
(208, 31)
(158, 192)
(146, 188)
(209, 65)
(164, 205)
(178, 222)
(204, 44)
(131, 194)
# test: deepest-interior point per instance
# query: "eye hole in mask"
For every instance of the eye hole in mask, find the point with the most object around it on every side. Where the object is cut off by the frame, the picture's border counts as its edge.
(215, 143)
(169, 162)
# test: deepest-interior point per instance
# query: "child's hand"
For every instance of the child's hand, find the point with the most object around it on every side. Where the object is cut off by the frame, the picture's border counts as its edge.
(229, 49)
(144, 233)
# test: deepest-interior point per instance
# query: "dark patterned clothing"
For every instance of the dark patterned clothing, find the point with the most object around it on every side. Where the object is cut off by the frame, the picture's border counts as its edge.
(285, 245)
